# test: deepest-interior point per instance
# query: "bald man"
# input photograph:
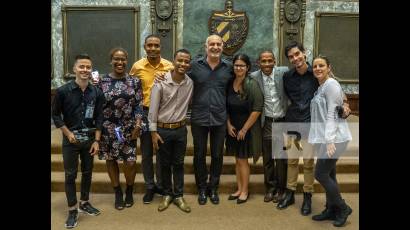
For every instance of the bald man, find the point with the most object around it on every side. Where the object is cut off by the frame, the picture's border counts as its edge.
(210, 75)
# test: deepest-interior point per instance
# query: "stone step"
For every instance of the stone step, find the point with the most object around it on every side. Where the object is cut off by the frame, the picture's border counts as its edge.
(348, 183)
(344, 165)
(351, 151)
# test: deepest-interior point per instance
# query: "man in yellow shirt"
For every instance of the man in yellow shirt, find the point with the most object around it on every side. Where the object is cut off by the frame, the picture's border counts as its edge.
(145, 69)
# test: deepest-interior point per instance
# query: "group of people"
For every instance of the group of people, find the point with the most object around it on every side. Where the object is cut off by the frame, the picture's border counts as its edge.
(235, 107)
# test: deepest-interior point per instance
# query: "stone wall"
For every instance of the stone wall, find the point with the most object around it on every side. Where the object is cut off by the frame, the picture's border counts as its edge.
(192, 28)
(259, 13)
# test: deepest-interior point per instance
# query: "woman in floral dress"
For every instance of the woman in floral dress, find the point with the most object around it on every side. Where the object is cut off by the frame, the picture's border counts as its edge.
(121, 126)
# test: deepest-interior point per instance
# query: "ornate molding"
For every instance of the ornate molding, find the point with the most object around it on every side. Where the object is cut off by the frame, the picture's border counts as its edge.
(303, 18)
(281, 12)
(152, 14)
(164, 21)
(175, 11)
(292, 14)
(294, 11)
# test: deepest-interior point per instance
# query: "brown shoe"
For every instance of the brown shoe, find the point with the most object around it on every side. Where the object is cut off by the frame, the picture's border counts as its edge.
(279, 196)
(181, 203)
(268, 197)
(166, 200)
(275, 198)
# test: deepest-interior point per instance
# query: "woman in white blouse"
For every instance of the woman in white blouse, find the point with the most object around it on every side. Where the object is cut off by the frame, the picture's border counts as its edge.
(330, 135)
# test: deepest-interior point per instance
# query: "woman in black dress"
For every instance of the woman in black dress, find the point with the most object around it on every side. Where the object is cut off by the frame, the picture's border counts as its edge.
(244, 106)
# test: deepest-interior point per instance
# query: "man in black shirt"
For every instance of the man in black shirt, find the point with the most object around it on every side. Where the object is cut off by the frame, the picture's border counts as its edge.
(77, 111)
(300, 86)
(210, 74)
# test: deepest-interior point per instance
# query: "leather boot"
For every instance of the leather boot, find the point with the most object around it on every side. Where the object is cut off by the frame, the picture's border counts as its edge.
(129, 200)
(288, 200)
(119, 201)
(307, 204)
(327, 214)
(342, 212)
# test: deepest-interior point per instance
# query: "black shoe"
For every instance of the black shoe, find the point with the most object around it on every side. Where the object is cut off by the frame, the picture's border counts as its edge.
(89, 209)
(288, 200)
(159, 191)
(307, 204)
(149, 195)
(232, 197)
(129, 199)
(240, 201)
(202, 198)
(71, 221)
(119, 200)
(213, 196)
(327, 214)
(342, 212)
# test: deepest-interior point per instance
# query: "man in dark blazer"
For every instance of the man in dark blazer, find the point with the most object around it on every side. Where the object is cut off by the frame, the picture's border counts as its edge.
(270, 80)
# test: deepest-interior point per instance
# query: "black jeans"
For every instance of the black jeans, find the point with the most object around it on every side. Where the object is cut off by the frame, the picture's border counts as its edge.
(274, 168)
(70, 158)
(200, 138)
(172, 153)
(146, 159)
(325, 172)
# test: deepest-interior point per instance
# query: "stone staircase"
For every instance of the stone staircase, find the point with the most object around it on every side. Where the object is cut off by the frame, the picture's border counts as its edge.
(347, 170)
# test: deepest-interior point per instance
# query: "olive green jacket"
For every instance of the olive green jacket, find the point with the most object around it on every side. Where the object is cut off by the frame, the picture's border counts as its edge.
(255, 97)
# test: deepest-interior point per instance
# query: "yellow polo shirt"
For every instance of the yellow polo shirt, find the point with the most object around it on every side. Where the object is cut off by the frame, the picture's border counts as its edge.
(145, 72)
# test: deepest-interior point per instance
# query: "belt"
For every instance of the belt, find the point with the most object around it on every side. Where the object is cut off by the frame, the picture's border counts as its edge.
(174, 125)
(275, 119)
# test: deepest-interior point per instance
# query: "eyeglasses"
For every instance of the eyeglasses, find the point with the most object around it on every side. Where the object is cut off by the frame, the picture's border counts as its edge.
(239, 66)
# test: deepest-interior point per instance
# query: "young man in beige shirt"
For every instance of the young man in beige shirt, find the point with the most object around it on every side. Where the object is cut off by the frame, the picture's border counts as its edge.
(167, 113)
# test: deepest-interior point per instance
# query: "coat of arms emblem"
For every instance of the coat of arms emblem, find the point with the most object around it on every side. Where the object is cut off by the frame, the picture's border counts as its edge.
(231, 25)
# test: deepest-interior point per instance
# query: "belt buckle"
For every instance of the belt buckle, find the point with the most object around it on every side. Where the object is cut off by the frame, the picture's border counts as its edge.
(173, 125)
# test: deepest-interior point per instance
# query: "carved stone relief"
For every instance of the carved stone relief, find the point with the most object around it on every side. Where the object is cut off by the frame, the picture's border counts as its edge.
(164, 9)
(164, 19)
(292, 15)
